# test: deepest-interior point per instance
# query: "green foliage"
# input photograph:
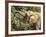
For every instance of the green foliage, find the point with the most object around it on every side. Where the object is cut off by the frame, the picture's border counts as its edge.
(17, 21)
(25, 8)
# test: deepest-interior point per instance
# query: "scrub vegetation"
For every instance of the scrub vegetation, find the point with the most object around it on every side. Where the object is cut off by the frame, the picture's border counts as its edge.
(25, 18)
